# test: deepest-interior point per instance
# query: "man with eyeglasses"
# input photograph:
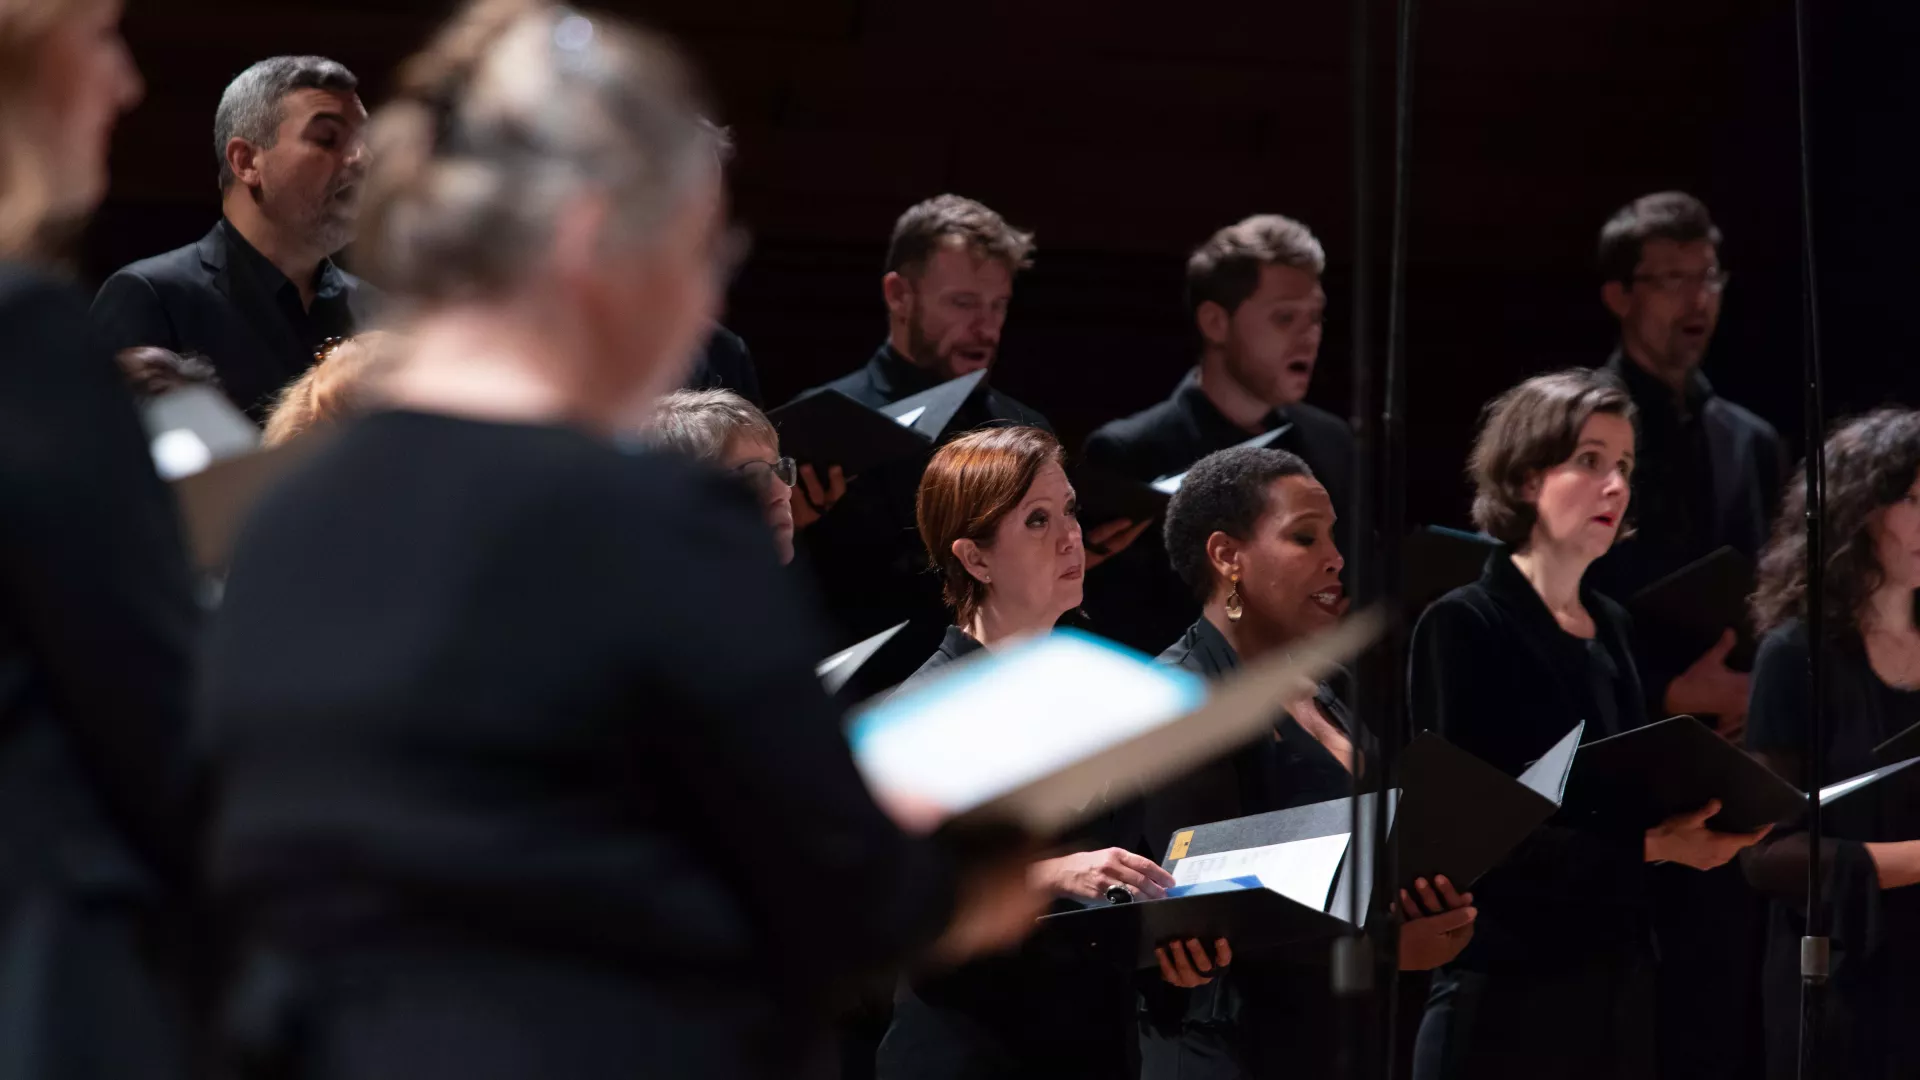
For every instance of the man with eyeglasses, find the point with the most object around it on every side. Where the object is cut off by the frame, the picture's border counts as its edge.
(1709, 475)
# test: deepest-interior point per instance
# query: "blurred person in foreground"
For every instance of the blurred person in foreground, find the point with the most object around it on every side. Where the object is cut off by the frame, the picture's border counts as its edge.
(96, 605)
(522, 768)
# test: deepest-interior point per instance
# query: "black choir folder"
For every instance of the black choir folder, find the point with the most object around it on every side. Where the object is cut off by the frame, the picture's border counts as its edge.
(1272, 880)
(1041, 735)
(1107, 496)
(829, 428)
(1642, 777)
(1697, 603)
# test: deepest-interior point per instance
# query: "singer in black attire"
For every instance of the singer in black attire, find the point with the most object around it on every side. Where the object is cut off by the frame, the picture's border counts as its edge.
(96, 609)
(1870, 851)
(1251, 534)
(487, 738)
(1560, 977)
(522, 769)
(997, 517)
(1257, 307)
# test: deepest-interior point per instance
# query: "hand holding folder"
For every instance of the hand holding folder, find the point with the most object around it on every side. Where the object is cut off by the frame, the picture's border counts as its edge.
(1288, 877)
(1651, 775)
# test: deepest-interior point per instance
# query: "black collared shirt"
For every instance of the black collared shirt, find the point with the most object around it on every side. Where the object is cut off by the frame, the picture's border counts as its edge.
(328, 316)
(221, 298)
(1136, 598)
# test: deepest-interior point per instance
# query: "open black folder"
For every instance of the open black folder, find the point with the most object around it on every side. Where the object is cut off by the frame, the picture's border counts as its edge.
(1637, 779)
(1272, 880)
(829, 428)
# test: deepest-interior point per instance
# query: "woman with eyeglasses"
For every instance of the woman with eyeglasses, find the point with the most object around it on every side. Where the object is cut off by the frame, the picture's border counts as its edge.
(521, 768)
(723, 429)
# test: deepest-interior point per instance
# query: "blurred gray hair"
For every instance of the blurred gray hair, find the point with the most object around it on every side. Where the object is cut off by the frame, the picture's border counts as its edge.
(250, 107)
(701, 423)
(515, 110)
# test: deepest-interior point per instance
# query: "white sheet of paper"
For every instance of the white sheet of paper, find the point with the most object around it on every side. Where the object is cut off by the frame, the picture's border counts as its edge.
(1300, 870)
(1016, 717)
(1855, 783)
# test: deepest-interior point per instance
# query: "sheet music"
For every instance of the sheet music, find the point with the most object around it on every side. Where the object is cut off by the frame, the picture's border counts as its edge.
(1300, 870)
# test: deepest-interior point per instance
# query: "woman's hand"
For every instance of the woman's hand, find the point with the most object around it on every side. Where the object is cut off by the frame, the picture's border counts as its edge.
(1184, 963)
(1685, 839)
(1438, 925)
(813, 499)
(1088, 874)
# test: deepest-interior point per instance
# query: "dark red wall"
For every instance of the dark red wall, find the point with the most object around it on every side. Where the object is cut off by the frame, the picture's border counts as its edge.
(1124, 132)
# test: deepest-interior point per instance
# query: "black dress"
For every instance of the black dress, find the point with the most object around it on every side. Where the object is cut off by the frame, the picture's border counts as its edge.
(96, 635)
(1873, 998)
(1046, 1010)
(523, 771)
(1265, 1015)
(1559, 979)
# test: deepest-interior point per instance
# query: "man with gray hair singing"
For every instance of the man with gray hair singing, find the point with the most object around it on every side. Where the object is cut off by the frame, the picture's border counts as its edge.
(259, 294)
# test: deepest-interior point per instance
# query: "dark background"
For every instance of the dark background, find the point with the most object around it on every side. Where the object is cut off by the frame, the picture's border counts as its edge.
(1124, 133)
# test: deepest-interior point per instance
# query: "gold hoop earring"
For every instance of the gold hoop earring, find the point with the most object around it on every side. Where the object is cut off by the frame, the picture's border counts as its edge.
(1234, 608)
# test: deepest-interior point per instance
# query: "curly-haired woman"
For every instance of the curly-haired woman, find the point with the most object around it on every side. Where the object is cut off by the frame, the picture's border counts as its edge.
(1871, 651)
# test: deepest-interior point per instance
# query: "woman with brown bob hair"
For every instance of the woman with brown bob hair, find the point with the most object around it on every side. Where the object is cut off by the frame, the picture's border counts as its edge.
(502, 790)
(96, 603)
(1559, 978)
(1001, 524)
(1870, 855)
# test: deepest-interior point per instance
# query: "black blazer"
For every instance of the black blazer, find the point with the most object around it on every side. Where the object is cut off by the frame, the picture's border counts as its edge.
(96, 635)
(1136, 598)
(220, 298)
(1492, 671)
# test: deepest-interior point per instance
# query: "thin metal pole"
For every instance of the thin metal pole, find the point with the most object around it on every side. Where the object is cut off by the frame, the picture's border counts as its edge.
(1353, 957)
(1814, 947)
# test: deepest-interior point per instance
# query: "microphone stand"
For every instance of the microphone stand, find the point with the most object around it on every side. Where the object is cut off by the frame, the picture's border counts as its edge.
(1366, 963)
(1815, 946)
